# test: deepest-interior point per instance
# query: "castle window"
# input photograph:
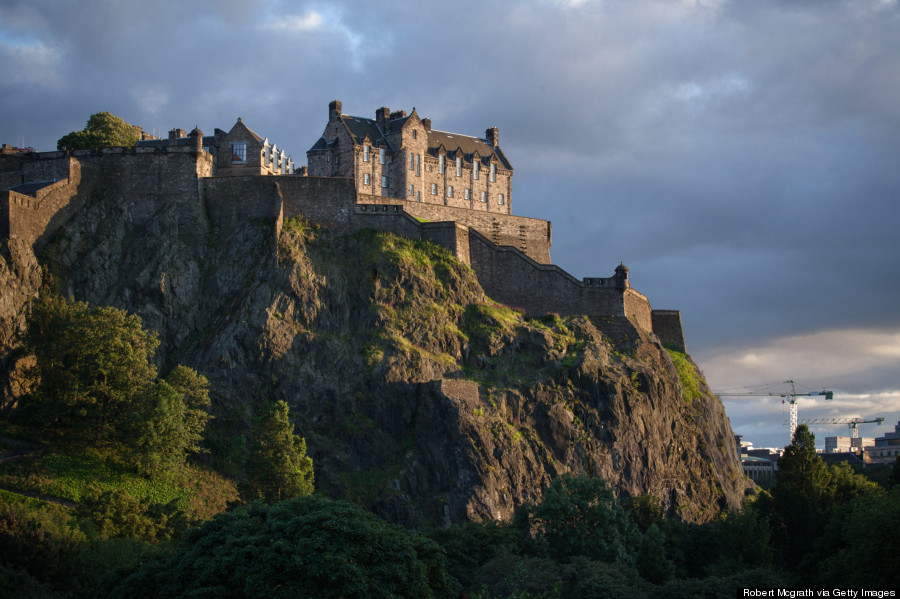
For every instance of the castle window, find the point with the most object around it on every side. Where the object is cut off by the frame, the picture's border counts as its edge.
(475, 168)
(380, 155)
(238, 152)
(459, 166)
(410, 189)
(449, 191)
(337, 159)
(500, 199)
(365, 153)
(441, 164)
(383, 181)
(415, 133)
(434, 189)
(466, 193)
(417, 165)
(418, 197)
(484, 196)
(412, 162)
(367, 179)
(493, 173)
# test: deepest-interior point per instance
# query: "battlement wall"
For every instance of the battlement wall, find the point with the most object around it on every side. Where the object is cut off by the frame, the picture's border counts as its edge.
(34, 217)
(532, 236)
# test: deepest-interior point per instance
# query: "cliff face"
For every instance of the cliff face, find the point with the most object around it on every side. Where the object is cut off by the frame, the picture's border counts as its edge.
(417, 395)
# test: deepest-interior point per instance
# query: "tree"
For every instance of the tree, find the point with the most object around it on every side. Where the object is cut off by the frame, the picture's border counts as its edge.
(278, 467)
(303, 547)
(579, 516)
(103, 130)
(92, 366)
(93, 385)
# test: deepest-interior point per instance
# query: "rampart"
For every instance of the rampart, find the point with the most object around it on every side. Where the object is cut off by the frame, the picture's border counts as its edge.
(530, 235)
(510, 255)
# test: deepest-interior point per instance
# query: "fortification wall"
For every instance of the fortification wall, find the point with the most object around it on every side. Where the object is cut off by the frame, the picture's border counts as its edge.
(234, 201)
(327, 201)
(35, 218)
(667, 326)
(531, 236)
(512, 278)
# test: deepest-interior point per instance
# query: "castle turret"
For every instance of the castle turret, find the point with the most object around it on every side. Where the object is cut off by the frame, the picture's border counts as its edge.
(196, 136)
(621, 277)
(334, 111)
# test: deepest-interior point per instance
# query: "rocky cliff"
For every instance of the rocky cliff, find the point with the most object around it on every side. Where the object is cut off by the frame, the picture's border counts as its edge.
(417, 395)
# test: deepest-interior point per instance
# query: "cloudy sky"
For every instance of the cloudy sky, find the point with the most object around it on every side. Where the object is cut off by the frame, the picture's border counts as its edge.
(742, 158)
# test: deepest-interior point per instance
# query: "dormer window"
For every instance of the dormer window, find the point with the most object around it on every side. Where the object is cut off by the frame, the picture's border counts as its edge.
(238, 152)
(441, 164)
(365, 153)
(459, 166)
(493, 173)
(475, 168)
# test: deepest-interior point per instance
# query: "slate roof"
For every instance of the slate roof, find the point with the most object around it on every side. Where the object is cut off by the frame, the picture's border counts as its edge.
(466, 144)
(361, 127)
(209, 141)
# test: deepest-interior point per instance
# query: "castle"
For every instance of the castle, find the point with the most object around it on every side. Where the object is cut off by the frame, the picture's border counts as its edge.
(392, 173)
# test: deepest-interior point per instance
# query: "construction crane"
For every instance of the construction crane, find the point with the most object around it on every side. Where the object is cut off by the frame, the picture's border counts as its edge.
(850, 422)
(791, 396)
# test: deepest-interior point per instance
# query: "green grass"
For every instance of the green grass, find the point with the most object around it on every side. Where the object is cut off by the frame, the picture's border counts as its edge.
(75, 477)
(687, 376)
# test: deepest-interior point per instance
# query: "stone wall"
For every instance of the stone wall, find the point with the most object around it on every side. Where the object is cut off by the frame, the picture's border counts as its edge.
(35, 218)
(667, 326)
(532, 236)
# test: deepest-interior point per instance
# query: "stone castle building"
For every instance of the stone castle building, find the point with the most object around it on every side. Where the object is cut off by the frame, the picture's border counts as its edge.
(400, 156)
(392, 173)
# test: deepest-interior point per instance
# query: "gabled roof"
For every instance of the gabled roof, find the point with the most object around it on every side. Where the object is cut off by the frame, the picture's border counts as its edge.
(360, 128)
(467, 145)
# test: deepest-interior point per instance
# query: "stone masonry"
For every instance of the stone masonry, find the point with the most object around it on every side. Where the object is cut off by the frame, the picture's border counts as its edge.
(239, 176)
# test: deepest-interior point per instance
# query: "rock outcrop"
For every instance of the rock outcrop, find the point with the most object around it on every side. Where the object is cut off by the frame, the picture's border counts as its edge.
(418, 396)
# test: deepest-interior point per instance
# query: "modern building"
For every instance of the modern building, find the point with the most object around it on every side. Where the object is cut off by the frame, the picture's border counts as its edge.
(885, 449)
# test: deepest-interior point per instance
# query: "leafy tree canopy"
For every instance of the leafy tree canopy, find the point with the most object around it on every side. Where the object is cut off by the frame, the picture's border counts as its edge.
(278, 467)
(302, 547)
(93, 385)
(580, 516)
(103, 130)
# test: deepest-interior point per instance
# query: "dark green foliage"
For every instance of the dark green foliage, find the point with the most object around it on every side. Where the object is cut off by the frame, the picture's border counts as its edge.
(92, 367)
(303, 547)
(278, 467)
(580, 516)
(120, 515)
(103, 130)
(651, 560)
(93, 385)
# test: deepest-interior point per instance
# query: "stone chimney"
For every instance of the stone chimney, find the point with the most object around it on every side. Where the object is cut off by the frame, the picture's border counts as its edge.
(427, 123)
(382, 115)
(175, 134)
(398, 114)
(334, 111)
(493, 136)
